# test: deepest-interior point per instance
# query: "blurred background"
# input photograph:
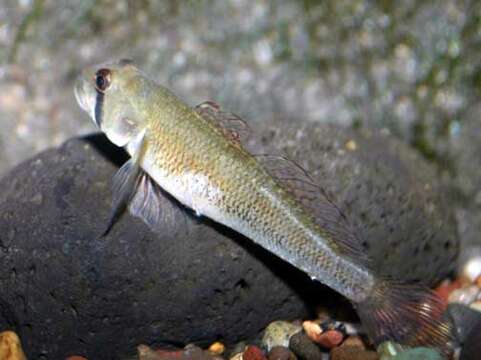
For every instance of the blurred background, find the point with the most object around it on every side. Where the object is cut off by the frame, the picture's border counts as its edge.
(410, 67)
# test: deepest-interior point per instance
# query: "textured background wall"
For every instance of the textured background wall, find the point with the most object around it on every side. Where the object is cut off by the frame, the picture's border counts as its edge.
(410, 67)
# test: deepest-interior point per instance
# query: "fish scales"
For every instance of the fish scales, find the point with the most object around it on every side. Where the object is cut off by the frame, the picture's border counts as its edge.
(179, 142)
(203, 165)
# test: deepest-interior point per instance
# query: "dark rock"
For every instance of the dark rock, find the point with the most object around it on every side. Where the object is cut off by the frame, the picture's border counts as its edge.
(190, 352)
(472, 346)
(465, 151)
(464, 320)
(64, 289)
(281, 353)
(392, 196)
(237, 349)
(253, 352)
(304, 348)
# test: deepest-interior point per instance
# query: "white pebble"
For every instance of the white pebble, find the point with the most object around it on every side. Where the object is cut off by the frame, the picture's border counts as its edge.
(465, 295)
(476, 306)
(470, 263)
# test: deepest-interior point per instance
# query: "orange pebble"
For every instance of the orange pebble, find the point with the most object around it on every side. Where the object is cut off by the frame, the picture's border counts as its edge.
(330, 339)
(477, 281)
(10, 347)
(447, 287)
(312, 329)
(216, 348)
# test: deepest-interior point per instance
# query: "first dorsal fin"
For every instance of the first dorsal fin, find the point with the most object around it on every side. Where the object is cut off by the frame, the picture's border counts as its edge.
(315, 200)
(231, 125)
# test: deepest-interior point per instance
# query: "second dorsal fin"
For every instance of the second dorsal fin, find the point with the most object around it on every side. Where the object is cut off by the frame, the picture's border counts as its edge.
(231, 125)
(315, 200)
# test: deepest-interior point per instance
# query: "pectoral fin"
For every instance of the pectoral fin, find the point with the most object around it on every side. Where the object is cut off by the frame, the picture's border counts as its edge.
(134, 189)
(125, 181)
(124, 187)
(146, 201)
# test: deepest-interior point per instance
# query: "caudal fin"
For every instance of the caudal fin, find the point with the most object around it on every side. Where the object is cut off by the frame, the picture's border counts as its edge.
(410, 315)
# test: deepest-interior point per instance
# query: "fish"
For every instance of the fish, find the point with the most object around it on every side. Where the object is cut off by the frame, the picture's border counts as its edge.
(197, 155)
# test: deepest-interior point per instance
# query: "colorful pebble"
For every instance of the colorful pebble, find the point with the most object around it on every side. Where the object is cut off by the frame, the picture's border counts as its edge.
(392, 351)
(217, 348)
(304, 347)
(146, 353)
(278, 333)
(253, 352)
(352, 353)
(470, 259)
(238, 356)
(327, 334)
(330, 339)
(281, 353)
(447, 287)
(465, 295)
(10, 347)
(354, 341)
(190, 352)
(476, 305)
(312, 329)
(239, 348)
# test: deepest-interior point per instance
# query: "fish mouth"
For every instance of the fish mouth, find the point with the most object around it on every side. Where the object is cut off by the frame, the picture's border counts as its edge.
(86, 98)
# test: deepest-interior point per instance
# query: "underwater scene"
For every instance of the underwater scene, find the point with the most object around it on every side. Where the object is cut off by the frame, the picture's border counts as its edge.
(240, 180)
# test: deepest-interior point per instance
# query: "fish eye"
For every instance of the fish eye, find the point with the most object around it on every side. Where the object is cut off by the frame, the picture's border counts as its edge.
(102, 79)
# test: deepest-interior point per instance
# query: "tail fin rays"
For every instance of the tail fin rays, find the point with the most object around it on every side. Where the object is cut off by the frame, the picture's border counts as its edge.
(408, 314)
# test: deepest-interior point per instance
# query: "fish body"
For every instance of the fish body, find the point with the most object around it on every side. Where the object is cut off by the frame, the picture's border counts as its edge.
(214, 177)
(194, 158)
(190, 158)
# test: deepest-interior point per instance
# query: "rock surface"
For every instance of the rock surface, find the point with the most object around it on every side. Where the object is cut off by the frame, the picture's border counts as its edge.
(64, 289)
(304, 348)
(472, 345)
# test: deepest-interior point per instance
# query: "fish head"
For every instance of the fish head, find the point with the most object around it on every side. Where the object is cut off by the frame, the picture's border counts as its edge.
(111, 93)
